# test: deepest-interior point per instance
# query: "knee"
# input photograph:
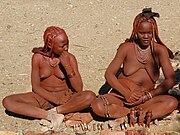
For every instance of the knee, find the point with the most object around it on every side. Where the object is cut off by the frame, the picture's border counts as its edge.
(98, 107)
(90, 96)
(7, 102)
(172, 103)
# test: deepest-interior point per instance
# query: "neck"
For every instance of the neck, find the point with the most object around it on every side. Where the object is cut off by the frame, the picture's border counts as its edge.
(54, 56)
(141, 46)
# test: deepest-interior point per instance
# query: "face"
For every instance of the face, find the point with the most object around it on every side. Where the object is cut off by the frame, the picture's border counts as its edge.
(145, 34)
(60, 44)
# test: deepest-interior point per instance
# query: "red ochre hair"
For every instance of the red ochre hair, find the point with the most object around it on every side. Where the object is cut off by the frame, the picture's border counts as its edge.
(147, 15)
(49, 35)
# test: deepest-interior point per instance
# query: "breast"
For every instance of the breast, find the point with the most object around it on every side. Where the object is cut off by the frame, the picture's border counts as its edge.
(46, 71)
(153, 71)
(131, 66)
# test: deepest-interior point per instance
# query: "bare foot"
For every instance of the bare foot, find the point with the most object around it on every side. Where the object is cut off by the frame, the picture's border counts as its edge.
(56, 120)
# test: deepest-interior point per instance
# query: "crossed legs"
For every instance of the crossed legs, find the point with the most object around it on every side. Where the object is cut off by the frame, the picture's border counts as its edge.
(30, 104)
(78, 102)
(109, 106)
(160, 106)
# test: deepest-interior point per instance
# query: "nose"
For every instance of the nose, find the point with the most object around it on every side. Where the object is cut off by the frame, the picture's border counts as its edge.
(145, 35)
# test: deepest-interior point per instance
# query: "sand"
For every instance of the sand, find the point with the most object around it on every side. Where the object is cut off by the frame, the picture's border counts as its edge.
(95, 29)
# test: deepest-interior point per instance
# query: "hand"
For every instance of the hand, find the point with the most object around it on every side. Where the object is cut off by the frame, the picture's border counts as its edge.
(141, 100)
(64, 58)
(134, 96)
(134, 103)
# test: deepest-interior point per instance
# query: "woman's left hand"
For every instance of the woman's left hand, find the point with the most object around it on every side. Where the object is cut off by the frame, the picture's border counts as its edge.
(64, 58)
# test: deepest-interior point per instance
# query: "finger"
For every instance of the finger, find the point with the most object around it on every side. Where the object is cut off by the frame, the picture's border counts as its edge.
(65, 53)
(136, 103)
(133, 100)
(135, 96)
(128, 103)
(138, 93)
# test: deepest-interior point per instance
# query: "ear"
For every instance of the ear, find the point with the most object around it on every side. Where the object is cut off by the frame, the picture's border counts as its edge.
(49, 44)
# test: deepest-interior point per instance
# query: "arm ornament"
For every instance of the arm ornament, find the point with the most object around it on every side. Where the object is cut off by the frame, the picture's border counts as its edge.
(71, 74)
(147, 96)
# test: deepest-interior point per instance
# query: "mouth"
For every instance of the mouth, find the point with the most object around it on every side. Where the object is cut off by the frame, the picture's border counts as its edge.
(145, 41)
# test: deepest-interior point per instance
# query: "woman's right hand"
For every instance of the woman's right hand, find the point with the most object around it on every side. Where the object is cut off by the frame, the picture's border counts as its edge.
(138, 102)
(133, 96)
(145, 97)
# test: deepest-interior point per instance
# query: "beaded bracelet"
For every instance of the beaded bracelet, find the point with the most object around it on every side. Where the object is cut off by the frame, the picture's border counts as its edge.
(67, 66)
(149, 95)
(71, 74)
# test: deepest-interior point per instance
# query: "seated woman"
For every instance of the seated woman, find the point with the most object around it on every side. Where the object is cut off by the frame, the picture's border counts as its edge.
(56, 82)
(142, 56)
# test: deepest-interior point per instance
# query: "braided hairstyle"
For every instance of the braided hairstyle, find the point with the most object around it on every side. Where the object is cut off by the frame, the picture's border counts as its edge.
(147, 15)
(49, 36)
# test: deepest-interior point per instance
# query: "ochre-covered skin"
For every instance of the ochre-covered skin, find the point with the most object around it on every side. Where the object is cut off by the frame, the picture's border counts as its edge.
(142, 56)
(55, 78)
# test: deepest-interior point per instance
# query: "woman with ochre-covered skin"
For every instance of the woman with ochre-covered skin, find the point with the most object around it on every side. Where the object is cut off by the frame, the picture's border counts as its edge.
(56, 82)
(142, 56)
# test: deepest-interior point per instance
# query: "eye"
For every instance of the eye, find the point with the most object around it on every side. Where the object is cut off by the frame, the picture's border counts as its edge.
(63, 46)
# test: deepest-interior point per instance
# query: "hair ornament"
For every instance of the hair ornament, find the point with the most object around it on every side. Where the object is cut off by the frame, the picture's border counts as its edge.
(147, 13)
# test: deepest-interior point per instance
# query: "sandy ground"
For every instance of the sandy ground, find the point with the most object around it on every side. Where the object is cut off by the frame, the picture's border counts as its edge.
(95, 29)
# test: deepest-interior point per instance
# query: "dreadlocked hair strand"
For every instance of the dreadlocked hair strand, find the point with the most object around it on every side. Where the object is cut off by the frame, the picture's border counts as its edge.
(49, 36)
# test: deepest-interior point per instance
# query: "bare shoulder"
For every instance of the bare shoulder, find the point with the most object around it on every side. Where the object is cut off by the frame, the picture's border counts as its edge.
(37, 57)
(161, 50)
(125, 46)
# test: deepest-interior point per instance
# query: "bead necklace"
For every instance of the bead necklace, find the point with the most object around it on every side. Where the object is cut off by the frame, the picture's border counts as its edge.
(142, 55)
(53, 62)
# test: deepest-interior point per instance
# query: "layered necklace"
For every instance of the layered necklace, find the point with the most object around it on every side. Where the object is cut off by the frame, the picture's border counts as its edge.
(53, 62)
(143, 55)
